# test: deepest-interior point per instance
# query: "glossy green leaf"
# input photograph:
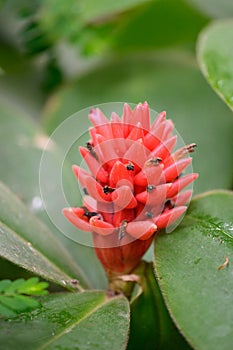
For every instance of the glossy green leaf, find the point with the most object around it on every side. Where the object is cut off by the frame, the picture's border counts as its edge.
(215, 52)
(170, 81)
(151, 326)
(21, 149)
(24, 241)
(214, 8)
(70, 321)
(195, 275)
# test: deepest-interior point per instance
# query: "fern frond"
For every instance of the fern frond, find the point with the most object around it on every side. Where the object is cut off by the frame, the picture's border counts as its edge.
(15, 295)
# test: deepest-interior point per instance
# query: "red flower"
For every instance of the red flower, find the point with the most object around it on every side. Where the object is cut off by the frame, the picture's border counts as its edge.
(133, 187)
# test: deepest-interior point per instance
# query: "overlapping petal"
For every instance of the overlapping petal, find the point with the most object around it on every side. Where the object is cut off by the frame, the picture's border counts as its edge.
(133, 186)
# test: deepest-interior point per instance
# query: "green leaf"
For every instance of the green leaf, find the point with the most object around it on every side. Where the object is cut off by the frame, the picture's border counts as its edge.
(171, 81)
(18, 303)
(37, 289)
(14, 285)
(151, 326)
(215, 51)
(70, 321)
(4, 284)
(24, 241)
(11, 299)
(20, 165)
(31, 282)
(29, 302)
(32, 287)
(6, 312)
(195, 278)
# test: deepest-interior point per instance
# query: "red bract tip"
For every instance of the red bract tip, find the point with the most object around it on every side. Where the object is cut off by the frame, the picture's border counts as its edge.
(133, 187)
(141, 229)
(101, 227)
(164, 149)
(123, 198)
(159, 119)
(175, 169)
(153, 194)
(149, 175)
(94, 166)
(76, 220)
(179, 184)
(154, 137)
(137, 148)
(120, 176)
(136, 133)
(169, 217)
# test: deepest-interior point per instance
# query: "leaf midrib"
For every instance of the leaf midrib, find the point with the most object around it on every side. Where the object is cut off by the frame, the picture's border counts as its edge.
(229, 237)
(75, 324)
(24, 242)
(45, 229)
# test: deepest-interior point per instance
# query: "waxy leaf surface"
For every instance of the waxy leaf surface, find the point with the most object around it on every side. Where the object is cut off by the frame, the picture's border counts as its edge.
(194, 268)
(215, 52)
(83, 321)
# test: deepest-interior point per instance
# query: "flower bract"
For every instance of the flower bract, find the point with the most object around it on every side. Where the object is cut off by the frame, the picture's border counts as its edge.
(134, 186)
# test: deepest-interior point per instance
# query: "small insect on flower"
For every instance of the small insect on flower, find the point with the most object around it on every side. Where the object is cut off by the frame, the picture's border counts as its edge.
(150, 188)
(108, 189)
(134, 186)
(122, 231)
(91, 150)
(89, 214)
(130, 166)
(153, 161)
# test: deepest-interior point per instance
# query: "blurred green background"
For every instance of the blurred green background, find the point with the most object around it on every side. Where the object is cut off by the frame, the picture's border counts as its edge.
(58, 57)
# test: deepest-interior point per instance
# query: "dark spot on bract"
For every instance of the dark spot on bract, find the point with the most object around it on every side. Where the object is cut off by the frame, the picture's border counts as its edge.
(108, 189)
(130, 166)
(150, 188)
